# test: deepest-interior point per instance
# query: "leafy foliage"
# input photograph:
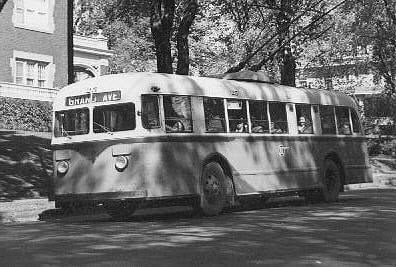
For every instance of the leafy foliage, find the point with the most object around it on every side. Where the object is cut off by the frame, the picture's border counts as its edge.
(27, 115)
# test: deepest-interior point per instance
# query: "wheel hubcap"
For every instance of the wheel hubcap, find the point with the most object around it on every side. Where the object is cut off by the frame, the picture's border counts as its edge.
(331, 179)
(212, 188)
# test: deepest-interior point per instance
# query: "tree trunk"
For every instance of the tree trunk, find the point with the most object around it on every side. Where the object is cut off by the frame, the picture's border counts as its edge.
(183, 56)
(287, 64)
(162, 15)
(2, 3)
(288, 68)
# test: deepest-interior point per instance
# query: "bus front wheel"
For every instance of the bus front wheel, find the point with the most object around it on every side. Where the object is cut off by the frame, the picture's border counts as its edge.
(331, 181)
(213, 189)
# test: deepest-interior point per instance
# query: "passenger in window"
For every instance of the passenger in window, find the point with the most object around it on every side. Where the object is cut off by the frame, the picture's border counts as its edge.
(257, 129)
(177, 127)
(345, 127)
(275, 129)
(304, 126)
(241, 128)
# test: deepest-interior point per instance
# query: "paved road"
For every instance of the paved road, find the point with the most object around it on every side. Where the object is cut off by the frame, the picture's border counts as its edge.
(359, 230)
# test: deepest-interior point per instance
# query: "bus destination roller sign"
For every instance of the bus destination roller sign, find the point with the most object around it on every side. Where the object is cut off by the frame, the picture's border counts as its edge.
(93, 98)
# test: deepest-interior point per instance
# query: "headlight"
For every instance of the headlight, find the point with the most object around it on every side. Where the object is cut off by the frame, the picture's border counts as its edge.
(63, 167)
(121, 162)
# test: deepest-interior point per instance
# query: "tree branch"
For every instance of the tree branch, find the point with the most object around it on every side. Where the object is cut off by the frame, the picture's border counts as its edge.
(247, 59)
(2, 3)
(271, 55)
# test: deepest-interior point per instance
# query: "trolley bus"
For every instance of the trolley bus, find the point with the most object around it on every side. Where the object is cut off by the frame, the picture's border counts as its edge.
(135, 140)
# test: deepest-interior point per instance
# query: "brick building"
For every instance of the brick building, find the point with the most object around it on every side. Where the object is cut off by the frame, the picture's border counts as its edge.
(34, 48)
(36, 51)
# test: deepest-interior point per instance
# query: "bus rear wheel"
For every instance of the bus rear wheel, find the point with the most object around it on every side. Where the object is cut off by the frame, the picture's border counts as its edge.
(120, 210)
(213, 189)
(331, 179)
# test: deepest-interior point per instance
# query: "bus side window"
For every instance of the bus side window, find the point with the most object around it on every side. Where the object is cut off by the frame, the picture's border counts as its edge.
(150, 112)
(355, 122)
(327, 119)
(214, 115)
(278, 118)
(343, 123)
(304, 119)
(259, 116)
(237, 116)
(177, 111)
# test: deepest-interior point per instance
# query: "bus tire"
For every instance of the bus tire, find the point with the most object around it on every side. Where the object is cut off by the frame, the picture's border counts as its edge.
(331, 181)
(214, 184)
(120, 210)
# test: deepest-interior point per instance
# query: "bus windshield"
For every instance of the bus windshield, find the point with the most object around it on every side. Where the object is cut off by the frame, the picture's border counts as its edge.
(114, 118)
(71, 122)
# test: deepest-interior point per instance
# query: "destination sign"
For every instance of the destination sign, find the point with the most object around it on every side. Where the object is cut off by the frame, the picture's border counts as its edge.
(95, 98)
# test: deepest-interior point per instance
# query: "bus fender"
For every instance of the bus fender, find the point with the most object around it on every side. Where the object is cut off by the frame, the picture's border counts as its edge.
(225, 165)
(332, 155)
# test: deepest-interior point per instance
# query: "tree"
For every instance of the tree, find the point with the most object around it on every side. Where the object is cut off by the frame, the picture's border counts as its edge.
(376, 23)
(162, 17)
(2, 3)
(287, 26)
(188, 10)
(125, 23)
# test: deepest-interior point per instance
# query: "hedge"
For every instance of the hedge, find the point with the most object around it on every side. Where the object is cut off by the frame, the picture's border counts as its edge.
(25, 115)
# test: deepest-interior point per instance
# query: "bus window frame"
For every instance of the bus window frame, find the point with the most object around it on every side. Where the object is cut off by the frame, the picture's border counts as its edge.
(225, 119)
(337, 109)
(252, 102)
(287, 132)
(359, 123)
(245, 120)
(334, 117)
(307, 107)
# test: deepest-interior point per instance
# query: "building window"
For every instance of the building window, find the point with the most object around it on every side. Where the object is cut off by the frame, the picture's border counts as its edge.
(31, 73)
(34, 14)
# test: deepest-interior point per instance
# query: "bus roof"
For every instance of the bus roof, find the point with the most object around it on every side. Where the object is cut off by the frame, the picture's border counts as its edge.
(132, 85)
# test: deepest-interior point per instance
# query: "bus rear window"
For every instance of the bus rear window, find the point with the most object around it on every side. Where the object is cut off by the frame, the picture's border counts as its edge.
(327, 119)
(114, 118)
(343, 123)
(355, 122)
(71, 122)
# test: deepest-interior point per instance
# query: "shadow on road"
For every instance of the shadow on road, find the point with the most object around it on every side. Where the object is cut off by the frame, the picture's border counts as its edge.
(359, 230)
(25, 165)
